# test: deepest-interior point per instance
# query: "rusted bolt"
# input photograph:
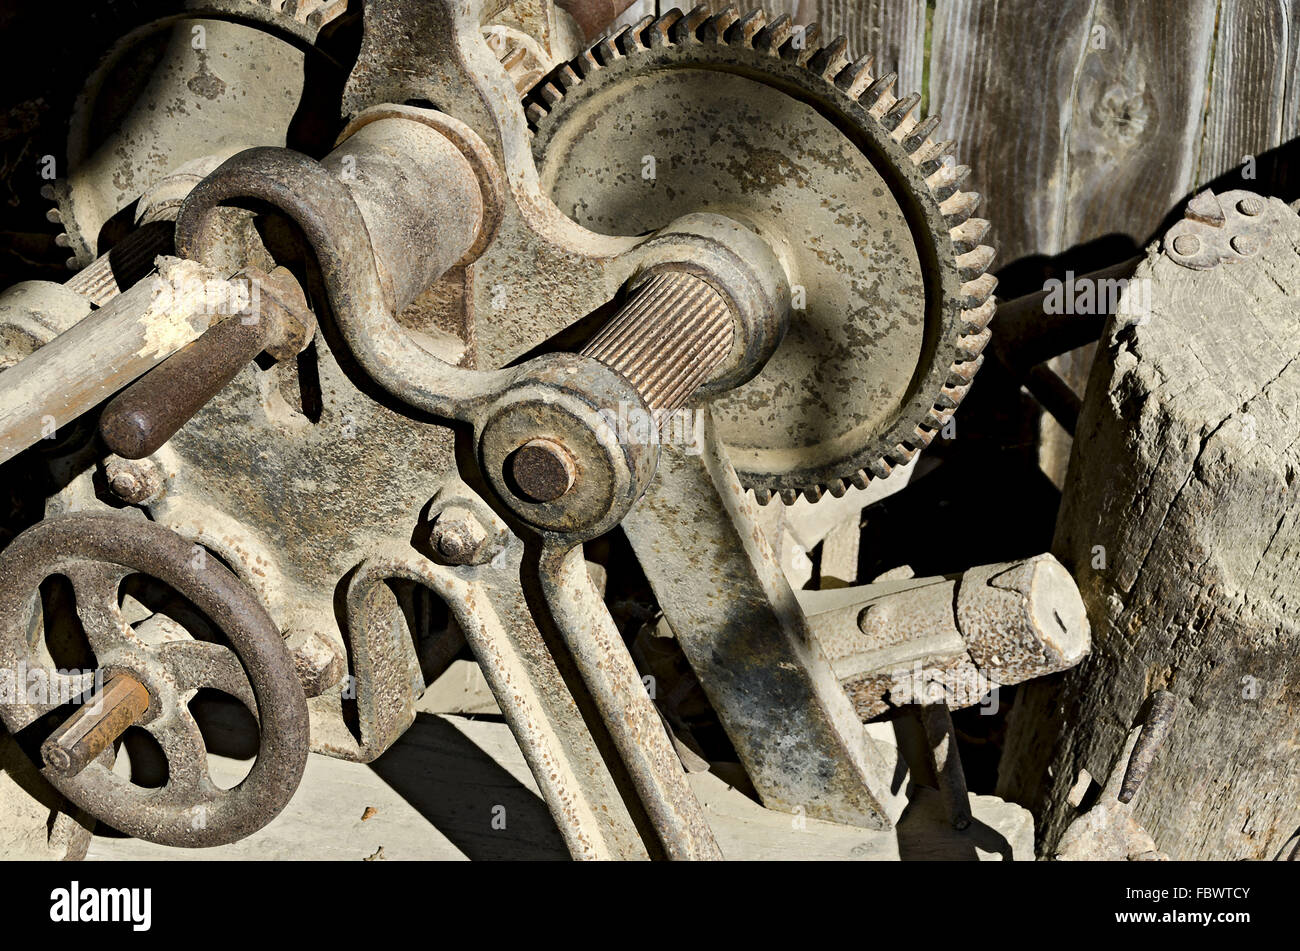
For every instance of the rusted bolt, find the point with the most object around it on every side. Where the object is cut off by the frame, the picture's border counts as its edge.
(458, 535)
(1245, 244)
(94, 727)
(137, 481)
(542, 470)
(1254, 205)
(1187, 244)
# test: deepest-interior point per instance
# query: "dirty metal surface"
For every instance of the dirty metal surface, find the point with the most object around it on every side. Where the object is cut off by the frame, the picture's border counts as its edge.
(742, 630)
(625, 707)
(96, 552)
(892, 641)
(492, 611)
(328, 479)
(844, 182)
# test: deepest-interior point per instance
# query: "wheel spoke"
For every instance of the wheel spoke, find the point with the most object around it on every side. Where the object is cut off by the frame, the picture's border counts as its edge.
(194, 664)
(182, 743)
(96, 585)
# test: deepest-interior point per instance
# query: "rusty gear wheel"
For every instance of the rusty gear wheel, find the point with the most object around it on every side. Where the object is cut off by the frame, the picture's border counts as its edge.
(735, 115)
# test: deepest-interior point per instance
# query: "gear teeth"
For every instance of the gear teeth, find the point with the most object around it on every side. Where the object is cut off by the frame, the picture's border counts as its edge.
(829, 60)
(916, 136)
(896, 114)
(974, 263)
(586, 63)
(660, 32)
(606, 49)
(938, 418)
(632, 39)
(971, 346)
(947, 180)
(877, 97)
(856, 77)
(549, 94)
(802, 45)
(686, 29)
(967, 235)
(958, 207)
(715, 27)
(743, 31)
(902, 454)
(960, 378)
(943, 179)
(977, 291)
(978, 318)
(933, 157)
(775, 35)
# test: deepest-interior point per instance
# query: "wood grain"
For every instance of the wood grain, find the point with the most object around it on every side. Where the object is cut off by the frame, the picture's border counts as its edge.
(1182, 528)
(1135, 121)
(1002, 76)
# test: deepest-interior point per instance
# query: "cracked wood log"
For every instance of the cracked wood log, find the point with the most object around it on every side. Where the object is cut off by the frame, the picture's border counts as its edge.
(1181, 523)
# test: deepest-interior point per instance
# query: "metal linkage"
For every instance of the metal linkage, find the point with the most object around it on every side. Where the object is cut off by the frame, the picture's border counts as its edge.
(736, 619)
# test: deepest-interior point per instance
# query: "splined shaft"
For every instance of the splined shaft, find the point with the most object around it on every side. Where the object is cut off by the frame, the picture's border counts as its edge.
(674, 332)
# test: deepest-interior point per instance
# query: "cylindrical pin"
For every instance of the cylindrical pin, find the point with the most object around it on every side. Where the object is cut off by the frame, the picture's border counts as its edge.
(149, 412)
(942, 741)
(1160, 718)
(94, 727)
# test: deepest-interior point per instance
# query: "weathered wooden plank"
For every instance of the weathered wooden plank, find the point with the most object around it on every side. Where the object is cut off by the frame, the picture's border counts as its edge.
(1136, 117)
(1248, 84)
(893, 31)
(1002, 76)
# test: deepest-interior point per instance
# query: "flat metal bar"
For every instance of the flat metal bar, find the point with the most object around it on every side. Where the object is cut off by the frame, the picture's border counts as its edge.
(740, 626)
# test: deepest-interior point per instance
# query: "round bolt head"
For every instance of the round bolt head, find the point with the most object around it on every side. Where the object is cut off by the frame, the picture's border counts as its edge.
(542, 470)
(1251, 206)
(458, 536)
(1187, 244)
(136, 481)
(1245, 244)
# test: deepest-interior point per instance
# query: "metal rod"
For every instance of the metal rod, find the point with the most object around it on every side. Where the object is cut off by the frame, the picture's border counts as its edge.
(96, 725)
(941, 740)
(150, 411)
(83, 366)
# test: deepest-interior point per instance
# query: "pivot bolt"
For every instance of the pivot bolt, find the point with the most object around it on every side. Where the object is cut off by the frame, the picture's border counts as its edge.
(1245, 244)
(136, 481)
(1187, 244)
(458, 535)
(542, 470)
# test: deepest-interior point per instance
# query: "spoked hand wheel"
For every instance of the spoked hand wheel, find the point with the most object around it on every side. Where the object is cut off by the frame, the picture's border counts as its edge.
(149, 684)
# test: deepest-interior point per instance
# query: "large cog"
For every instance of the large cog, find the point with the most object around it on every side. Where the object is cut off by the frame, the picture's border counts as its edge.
(733, 114)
